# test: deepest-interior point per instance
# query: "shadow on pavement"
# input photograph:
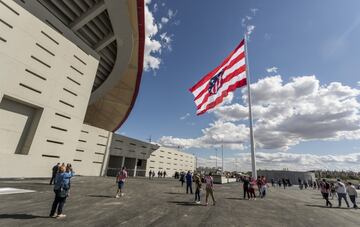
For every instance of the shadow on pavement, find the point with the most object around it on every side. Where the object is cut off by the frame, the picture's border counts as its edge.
(236, 198)
(182, 203)
(174, 193)
(20, 216)
(322, 206)
(101, 196)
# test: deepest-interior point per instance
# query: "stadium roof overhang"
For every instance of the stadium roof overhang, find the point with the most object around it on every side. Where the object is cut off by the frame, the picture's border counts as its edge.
(113, 32)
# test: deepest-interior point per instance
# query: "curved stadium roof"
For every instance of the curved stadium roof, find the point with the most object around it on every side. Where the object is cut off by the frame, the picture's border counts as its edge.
(113, 32)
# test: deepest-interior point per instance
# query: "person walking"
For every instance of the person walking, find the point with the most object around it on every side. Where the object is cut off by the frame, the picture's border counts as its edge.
(164, 174)
(284, 182)
(182, 178)
(55, 169)
(61, 189)
(252, 184)
(341, 192)
(325, 189)
(189, 182)
(352, 194)
(332, 190)
(246, 184)
(209, 181)
(197, 181)
(264, 186)
(120, 180)
(258, 183)
(150, 174)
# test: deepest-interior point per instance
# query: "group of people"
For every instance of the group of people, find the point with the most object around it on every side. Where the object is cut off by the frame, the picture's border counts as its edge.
(342, 191)
(159, 174)
(249, 185)
(208, 180)
(61, 175)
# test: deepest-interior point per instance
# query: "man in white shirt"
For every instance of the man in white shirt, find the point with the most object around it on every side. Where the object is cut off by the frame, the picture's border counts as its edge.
(341, 191)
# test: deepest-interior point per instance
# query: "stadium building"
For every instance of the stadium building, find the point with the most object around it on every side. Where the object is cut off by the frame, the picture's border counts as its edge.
(69, 77)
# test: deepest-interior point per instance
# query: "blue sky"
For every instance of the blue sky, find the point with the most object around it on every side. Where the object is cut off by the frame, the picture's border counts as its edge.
(299, 38)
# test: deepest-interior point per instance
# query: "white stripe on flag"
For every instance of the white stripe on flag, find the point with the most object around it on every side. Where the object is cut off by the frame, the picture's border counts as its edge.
(224, 87)
(203, 86)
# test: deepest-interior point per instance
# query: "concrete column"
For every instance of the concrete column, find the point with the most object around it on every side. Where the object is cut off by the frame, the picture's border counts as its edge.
(123, 162)
(106, 156)
(135, 168)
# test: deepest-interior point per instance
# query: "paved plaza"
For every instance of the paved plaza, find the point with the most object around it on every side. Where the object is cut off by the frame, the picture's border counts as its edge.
(163, 202)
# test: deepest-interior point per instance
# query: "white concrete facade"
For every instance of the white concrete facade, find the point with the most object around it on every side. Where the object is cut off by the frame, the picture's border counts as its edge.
(45, 86)
(140, 157)
(170, 160)
(92, 151)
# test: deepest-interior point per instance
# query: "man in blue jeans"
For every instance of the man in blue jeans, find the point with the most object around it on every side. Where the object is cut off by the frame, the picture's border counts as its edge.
(188, 182)
(341, 192)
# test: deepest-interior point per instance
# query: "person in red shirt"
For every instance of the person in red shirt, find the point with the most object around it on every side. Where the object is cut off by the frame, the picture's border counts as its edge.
(120, 180)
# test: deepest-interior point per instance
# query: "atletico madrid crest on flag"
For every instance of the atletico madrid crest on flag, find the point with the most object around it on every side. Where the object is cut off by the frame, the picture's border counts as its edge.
(215, 86)
(215, 83)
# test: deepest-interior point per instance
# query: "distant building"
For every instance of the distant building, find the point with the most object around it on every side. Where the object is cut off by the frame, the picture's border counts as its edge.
(140, 157)
(293, 176)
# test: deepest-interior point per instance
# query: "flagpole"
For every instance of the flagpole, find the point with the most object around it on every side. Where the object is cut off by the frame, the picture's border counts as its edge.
(253, 162)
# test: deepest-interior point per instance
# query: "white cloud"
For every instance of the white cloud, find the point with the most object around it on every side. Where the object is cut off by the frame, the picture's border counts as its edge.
(285, 114)
(231, 135)
(293, 161)
(171, 13)
(155, 43)
(211, 157)
(272, 69)
(155, 8)
(164, 20)
(250, 29)
(185, 116)
(358, 83)
(166, 40)
(254, 10)
(245, 22)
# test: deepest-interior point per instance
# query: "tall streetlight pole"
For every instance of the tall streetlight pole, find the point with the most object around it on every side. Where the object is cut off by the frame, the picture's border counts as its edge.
(216, 158)
(222, 158)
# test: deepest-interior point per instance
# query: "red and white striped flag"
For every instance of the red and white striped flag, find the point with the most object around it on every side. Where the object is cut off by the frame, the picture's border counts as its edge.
(215, 86)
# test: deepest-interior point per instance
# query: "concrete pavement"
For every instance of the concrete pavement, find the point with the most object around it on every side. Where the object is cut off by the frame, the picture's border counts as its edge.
(162, 202)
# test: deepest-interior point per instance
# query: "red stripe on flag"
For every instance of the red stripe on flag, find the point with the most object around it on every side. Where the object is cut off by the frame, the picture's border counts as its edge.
(217, 101)
(211, 74)
(232, 63)
(227, 79)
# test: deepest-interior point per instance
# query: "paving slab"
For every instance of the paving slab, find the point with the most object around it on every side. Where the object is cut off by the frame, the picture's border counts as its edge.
(163, 202)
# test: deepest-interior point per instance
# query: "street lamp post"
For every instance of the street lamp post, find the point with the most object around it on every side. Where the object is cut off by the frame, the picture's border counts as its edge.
(222, 158)
(216, 158)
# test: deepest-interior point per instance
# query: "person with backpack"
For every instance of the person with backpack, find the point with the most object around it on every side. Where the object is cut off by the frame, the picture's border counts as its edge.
(61, 189)
(325, 189)
(209, 181)
(197, 181)
(120, 180)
